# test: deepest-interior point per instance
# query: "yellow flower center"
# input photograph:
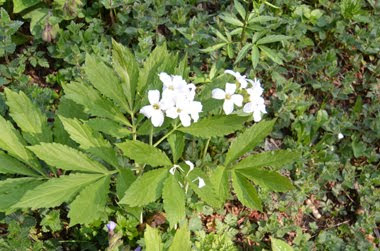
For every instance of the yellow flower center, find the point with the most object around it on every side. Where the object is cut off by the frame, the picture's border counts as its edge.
(156, 106)
(228, 96)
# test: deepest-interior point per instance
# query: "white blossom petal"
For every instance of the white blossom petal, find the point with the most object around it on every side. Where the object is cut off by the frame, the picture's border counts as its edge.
(256, 116)
(153, 96)
(248, 108)
(165, 79)
(237, 99)
(147, 111)
(172, 113)
(228, 106)
(190, 164)
(185, 119)
(230, 88)
(201, 183)
(157, 118)
(218, 93)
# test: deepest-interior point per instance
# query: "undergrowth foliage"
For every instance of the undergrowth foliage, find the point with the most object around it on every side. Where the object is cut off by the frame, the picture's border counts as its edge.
(102, 150)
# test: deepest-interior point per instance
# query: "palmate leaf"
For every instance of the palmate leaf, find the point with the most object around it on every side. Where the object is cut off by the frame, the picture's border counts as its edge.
(90, 204)
(219, 180)
(152, 239)
(11, 190)
(89, 140)
(144, 153)
(177, 145)
(127, 68)
(104, 79)
(249, 139)
(271, 180)
(124, 180)
(67, 158)
(215, 126)
(93, 102)
(174, 201)
(109, 127)
(272, 39)
(27, 116)
(56, 191)
(271, 54)
(274, 159)
(181, 240)
(12, 166)
(146, 189)
(245, 191)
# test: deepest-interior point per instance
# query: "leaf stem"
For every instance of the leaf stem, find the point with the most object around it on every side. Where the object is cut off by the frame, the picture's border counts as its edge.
(166, 135)
(205, 150)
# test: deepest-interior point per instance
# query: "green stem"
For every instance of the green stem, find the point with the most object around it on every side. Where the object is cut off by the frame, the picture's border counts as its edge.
(205, 150)
(166, 135)
(134, 135)
(242, 38)
(151, 136)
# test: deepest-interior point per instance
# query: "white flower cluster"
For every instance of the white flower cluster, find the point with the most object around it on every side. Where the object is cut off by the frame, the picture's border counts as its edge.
(177, 101)
(255, 104)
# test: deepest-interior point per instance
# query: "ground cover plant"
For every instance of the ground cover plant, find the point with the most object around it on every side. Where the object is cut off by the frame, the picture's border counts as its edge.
(201, 125)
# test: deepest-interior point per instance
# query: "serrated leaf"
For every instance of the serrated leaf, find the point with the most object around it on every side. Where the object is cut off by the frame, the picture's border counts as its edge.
(89, 140)
(9, 165)
(124, 180)
(181, 240)
(177, 145)
(272, 158)
(90, 204)
(206, 193)
(272, 39)
(240, 8)
(11, 141)
(27, 116)
(108, 127)
(231, 19)
(56, 191)
(219, 180)
(245, 192)
(11, 190)
(66, 158)
(213, 47)
(126, 66)
(271, 180)
(152, 239)
(280, 245)
(249, 139)
(271, 54)
(242, 53)
(104, 79)
(174, 201)
(260, 19)
(20, 5)
(215, 126)
(144, 153)
(146, 189)
(93, 102)
(255, 56)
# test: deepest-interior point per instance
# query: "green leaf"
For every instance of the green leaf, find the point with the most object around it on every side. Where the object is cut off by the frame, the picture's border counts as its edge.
(249, 139)
(91, 200)
(231, 19)
(206, 193)
(144, 153)
(177, 145)
(152, 239)
(181, 240)
(242, 53)
(213, 47)
(109, 127)
(260, 19)
(245, 192)
(126, 66)
(215, 126)
(272, 39)
(11, 190)
(174, 201)
(66, 158)
(124, 180)
(104, 79)
(280, 245)
(271, 180)
(271, 158)
(55, 191)
(20, 5)
(93, 102)
(12, 166)
(27, 116)
(271, 54)
(219, 180)
(255, 56)
(240, 8)
(90, 141)
(146, 189)
(11, 141)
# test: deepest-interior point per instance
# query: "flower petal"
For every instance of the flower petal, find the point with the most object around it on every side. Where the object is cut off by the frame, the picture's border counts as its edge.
(230, 88)
(218, 93)
(172, 113)
(248, 108)
(185, 119)
(237, 99)
(165, 79)
(256, 116)
(190, 164)
(147, 111)
(154, 96)
(228, 106)
(235, 74)
(157, 118)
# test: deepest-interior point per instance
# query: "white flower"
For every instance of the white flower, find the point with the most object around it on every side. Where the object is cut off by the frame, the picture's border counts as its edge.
(172, 86)
(256, 106)
(241, 79)
(340, 136)
(201, 182)
(229, 97)
(174, 168)
(190, 164)
(185, 110)
(256, 90)
(154, 111)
